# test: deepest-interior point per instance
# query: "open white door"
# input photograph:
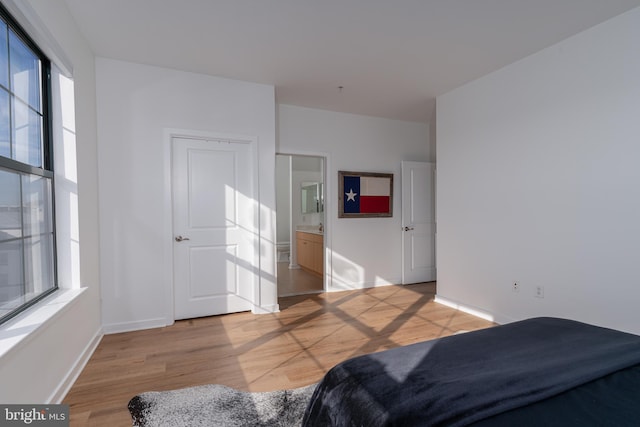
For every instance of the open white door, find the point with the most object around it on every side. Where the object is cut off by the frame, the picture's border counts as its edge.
(215, 226)
(418, 222)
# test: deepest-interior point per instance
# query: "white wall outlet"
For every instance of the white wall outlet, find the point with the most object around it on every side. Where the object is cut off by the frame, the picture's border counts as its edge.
(516, 287)
(539, 291)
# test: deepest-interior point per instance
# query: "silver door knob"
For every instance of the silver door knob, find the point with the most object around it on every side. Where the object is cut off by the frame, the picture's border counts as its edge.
(180, 238)
(408, 228)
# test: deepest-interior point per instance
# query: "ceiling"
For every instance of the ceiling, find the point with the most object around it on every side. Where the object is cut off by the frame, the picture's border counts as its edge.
(391, 57)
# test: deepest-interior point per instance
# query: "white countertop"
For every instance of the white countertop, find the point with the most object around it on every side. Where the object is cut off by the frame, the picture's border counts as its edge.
(311, 229)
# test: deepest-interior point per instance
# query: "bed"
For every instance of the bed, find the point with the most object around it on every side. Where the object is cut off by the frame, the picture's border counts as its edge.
(537, 372)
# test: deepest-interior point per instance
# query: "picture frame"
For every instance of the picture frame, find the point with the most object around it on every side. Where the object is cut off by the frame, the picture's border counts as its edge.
(365, 194)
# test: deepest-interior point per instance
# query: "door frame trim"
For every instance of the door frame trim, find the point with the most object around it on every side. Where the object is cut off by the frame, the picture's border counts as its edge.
(168, 135)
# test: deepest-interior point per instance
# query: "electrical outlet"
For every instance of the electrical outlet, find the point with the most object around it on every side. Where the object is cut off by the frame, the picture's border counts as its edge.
(516, 287)
(539, 291)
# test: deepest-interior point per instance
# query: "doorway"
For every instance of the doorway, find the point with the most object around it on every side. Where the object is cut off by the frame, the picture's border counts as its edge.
(301, 224)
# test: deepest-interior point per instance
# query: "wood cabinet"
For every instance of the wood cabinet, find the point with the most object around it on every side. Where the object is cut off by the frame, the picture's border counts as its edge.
(310, 249)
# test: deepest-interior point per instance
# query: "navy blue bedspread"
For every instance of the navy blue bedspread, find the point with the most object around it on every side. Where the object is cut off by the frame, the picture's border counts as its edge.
(465, 378)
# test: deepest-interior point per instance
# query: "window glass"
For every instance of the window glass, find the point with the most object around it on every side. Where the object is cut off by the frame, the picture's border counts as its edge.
(11, 280)
(5, 124)
(27, 136)
(4, 55)
(36, 205)
(10, 206)
(38, 260)
(24, 68)
(26, 238)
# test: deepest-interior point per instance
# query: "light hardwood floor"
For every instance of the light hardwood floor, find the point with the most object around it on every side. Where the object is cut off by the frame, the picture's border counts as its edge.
(297, 281)
(292, 348)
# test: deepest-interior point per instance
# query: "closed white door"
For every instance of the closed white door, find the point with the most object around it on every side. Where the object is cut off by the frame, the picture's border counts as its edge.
(215, 227)
(418, 222)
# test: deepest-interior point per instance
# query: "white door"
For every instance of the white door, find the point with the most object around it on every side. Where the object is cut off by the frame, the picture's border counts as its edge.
(418, 222)
(214, 225)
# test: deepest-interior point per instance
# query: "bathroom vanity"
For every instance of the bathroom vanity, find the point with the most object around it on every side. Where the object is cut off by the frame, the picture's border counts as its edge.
(310, 248)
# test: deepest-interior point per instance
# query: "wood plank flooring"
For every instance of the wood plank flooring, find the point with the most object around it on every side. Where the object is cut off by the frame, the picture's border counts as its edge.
(292, 348)
(297, 281)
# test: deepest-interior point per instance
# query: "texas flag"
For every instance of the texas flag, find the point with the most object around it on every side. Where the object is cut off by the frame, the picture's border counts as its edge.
(367, 194)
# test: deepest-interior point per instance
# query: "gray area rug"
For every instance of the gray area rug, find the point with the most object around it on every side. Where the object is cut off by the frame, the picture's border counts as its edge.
(219, 405)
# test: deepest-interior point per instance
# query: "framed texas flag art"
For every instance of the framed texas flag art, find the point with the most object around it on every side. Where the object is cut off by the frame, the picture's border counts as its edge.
(365, 194)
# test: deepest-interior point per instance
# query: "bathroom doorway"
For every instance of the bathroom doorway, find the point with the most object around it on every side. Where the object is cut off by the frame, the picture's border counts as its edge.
(300, 224)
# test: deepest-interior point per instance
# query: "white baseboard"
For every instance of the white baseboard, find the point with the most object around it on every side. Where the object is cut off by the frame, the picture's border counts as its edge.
(65, 385)
(267, 309)
(282, 253)
(116, 328)
(282, 246)
(475, 311)
(337, 285)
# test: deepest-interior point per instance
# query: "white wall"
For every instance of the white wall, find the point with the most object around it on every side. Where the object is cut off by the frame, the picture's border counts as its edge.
(42, 367)
(136, 103)
(538, 182)
(362, 252)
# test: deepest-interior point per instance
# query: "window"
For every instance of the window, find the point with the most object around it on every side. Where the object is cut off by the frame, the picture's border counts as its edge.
(27, 235)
